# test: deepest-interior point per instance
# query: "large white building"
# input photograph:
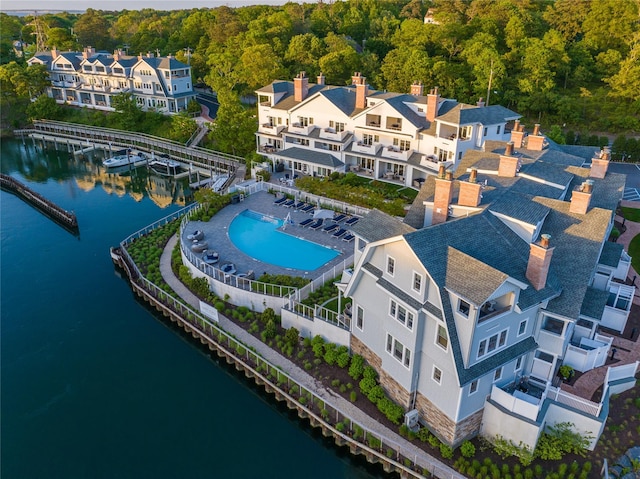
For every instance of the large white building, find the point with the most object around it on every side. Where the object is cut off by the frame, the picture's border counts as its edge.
(318, 129)
(91, 79)
(500, 273)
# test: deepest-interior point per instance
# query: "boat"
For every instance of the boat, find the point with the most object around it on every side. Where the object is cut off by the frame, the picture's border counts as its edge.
(124, 158)
(164, 165)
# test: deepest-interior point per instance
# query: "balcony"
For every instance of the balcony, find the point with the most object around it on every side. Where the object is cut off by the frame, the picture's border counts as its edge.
(616, 312)
(268, 148)
(396, 153)
(524, 398)
(552, 342)
(432, 162)
(300, 129)
(271, 128)
(66, 84)
(361, 147)
(332, 134)
(588, 353)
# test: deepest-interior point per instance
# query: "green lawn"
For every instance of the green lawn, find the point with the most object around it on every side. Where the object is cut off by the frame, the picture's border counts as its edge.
(634, 252)
(631, 214)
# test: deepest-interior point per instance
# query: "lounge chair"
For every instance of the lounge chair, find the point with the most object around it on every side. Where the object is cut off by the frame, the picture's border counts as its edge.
(352, 221)
(339, 217)
(307, 208)
(339, 233)
(279, 201)
(197, 235)
(288, 203)
(330, 228)
(306, 222)
(317, 224)
(298, 205)
(348, 238)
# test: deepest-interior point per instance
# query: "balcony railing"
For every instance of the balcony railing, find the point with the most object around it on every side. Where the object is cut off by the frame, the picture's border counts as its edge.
(396, 153)
(361, 147)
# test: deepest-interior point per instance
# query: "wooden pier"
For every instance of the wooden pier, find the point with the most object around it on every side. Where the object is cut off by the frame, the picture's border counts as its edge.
(53, 211)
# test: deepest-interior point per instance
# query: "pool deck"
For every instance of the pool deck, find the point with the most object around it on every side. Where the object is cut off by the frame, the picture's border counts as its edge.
(216, 234)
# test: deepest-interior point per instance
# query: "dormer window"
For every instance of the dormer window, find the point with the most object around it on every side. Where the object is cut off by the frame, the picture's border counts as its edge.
(494, 307)
(464, 308)
(465, 132)
(391, 265)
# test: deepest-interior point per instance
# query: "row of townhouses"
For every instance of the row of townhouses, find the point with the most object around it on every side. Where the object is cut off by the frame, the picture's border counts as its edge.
(500, 272)
(319, 129)
(91, 79)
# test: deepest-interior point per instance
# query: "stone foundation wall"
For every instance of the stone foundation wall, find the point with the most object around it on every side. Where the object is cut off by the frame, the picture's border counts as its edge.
(447, 430)
(358, 347)
(397, 393)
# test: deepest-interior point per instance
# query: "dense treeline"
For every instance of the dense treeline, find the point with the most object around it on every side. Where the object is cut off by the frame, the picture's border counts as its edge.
(564, 62)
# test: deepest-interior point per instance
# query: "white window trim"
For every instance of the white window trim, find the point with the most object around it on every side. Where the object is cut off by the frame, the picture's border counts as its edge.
(517, 368)
(460, 301)
(358, 309)
(433, 374)
(394, 312)
(495, 373)
(475, 381)
(525, 321)
(391, 352)
(439, 325)
(391, 258)
(413, 283)
(497, 348)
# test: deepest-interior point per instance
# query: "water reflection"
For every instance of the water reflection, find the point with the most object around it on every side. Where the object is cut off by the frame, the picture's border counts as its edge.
(86, 170)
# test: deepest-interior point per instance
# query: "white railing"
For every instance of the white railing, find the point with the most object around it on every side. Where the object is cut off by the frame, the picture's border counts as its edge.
(318, 312)
(523, 404)
(571, 400)
(242, 352)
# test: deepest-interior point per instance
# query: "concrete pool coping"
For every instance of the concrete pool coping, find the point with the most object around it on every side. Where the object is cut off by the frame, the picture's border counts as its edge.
(216, 234)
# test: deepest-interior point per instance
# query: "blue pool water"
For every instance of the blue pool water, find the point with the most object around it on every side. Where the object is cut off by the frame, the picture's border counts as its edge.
(258, 237)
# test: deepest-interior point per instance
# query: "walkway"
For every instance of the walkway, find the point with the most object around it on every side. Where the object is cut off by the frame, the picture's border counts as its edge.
(627, 350)
(421, 457)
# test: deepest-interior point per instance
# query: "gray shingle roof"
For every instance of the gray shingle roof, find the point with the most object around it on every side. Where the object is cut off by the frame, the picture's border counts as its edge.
(611, 253)
(551, 172)
(310, 156)
(377, 225)
(594, 302)
(520, 207)
(461, 266)
(488, 115)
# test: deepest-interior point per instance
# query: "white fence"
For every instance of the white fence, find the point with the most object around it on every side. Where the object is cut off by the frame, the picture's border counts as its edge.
(568, 399)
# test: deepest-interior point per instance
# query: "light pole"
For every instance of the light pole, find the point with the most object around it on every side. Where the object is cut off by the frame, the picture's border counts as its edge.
(187, 53)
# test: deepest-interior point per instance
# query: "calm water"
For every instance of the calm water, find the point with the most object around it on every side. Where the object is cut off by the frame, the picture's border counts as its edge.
(93, 385)
(261, 239)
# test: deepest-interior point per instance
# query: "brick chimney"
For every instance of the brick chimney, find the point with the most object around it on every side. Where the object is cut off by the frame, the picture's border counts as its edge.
(517, 134)
(581, 198)
(442, 196)
(54, 53)
(362, 90)
(509, 164)
(433, 98)
(600, 164)
(300, 86)
(539, 261)
(470, 191)
(535, 141)
(320, 79)
(116, 55)
(417, 89)
(88, 52)
(480, 102)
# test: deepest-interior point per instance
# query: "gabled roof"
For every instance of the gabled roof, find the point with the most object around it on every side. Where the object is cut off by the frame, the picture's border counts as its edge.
(379, 226)
(594, 302)
(310, 156)
(519, 207)
(463, 114)
(460, 266)
(611, 253)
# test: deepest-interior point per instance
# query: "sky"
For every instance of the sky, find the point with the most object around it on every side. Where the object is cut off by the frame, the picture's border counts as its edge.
(73, 5)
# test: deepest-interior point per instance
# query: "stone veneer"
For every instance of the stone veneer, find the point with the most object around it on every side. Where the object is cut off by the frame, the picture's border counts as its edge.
(358, 347)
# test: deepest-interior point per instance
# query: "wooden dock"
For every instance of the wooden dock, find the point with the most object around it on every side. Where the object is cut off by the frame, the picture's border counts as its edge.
(53, 211)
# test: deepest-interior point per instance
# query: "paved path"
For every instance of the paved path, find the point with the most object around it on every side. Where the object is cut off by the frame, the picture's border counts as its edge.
(421, 458)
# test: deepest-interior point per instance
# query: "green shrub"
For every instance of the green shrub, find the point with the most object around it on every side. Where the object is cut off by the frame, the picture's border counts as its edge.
(356, 368)
(343, 360)
(446, 451)
(467, 449)
(340, 426)
(375, 394)
(330, 354)
(291, 336)
(391, 410)
(353, 396)
(366, 384)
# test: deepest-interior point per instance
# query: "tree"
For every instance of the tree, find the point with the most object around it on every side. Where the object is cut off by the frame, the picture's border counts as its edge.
(182, 127)
(127, 110)
(92, 29)
(626, 83)
(566, 16)
(61, 38)
(43, 108)
(234, 128)
(611, 24)
(339, 66)
(259, 66)
(10, 30)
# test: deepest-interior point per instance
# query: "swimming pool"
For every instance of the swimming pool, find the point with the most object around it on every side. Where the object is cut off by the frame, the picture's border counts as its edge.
(258, 236)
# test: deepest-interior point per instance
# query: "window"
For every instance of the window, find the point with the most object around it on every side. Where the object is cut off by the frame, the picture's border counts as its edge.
(497, 375)
(359, 318)
(401, 314)
(494, 342)
(498, 130)
(522, 328)
(339, 127)
(465, 132)
(485, 132)
(464, 308)
(553, 325)
(417, 282)
(405, 145)
(473, 387)
(518, 364)
(398, 351)
(437, 375)
(391, 265)
(370, 139)
(442, 338)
